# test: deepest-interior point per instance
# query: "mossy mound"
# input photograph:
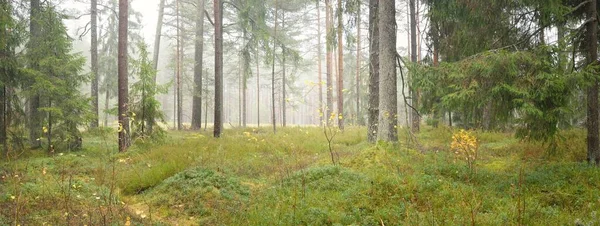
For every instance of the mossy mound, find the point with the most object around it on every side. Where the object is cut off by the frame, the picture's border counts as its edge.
(324, 178)
(199, 192)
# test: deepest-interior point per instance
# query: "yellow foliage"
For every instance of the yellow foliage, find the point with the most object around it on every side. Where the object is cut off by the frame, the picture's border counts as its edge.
(465, 146)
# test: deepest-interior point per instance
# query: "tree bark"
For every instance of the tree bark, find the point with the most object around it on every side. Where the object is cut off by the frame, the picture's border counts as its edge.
(340, 74)
(373, 71)
(218, 119)
(319, 53)
(593, 139)
(414, 96)
(387, 80)
(123, 78)
(198, 55)
(94, 59)
(158, 35)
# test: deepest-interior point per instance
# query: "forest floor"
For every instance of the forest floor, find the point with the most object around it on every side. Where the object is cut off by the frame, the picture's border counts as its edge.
(254, 177)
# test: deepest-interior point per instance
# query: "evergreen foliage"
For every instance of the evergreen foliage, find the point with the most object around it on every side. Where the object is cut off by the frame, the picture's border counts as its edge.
(145, 108)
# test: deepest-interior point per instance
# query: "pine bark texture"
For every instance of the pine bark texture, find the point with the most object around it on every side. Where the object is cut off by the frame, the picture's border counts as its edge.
(123, 78)
(387, 80)
(593, 139)
(94, 59)
(373, 111)
(218, 119)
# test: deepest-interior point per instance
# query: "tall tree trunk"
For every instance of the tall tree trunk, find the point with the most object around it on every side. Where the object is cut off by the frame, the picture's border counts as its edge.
(387, 80)
(257, 88)
(218, 119)
(283, 80)
(179, 63)
(340, 78)
(157, 36)
(273, 72)
(123, 78)
(246, 75)
(35, 116)
(94, 59)
(240, 89)
(319, 53)
(106, 104)
(415, 119)
(329, 49)
(198, 58)
(3, 112)
(358, 22)
(373, 71)
(593, 139)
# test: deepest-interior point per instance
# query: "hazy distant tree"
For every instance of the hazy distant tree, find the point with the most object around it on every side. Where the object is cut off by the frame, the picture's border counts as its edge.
(158, 34)
(273, 70)
(198, 57)
(329, 66)
(340, 72)
(415, 119)
(319, 53)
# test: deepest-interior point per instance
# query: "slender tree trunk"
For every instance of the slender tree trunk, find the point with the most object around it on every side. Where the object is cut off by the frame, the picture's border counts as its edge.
(387, 80)
(199, 49)
(415, 119)
(179, 64)
(329, 49)
(157, 36)
(240, 90)
(245, 76)
(358, 22)
(123, 78)
(218, 119)
(3, 112)
(35, 116)
(373, 71)
(94, 59)
(340, 78)
(283, 80)
(593, 139)
(106, 104)
(257, 89)
(319, 53)
(273, 72)
(49, 135)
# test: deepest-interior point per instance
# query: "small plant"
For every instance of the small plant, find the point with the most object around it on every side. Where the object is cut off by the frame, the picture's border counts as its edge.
(465, 145)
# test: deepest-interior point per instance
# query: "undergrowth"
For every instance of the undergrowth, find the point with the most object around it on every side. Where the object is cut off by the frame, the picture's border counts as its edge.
(254, 177)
